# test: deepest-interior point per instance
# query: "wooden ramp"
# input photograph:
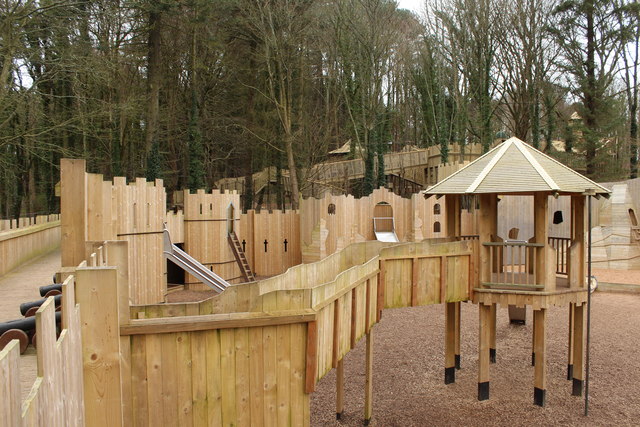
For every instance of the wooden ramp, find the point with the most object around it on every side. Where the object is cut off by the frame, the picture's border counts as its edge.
(238, 253)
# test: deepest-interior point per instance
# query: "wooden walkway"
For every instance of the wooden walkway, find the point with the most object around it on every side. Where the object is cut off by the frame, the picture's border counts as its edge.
(21, 285)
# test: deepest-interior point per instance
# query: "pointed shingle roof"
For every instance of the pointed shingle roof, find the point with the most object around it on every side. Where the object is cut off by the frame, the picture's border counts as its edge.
(515, 167)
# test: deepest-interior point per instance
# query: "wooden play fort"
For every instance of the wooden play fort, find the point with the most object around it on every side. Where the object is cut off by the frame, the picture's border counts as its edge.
(253, 353)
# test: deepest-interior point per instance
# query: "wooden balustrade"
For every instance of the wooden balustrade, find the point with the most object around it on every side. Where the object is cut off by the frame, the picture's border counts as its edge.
(561, 245)
(470, 237)
(513, 265)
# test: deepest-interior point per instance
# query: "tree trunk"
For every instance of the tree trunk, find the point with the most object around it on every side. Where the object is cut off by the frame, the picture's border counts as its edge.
(153, 80)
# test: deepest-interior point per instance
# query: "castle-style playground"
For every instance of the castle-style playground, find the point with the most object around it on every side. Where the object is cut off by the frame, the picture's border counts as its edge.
(292, 293)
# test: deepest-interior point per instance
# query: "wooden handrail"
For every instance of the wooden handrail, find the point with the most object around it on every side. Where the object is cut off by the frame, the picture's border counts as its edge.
(529, 245)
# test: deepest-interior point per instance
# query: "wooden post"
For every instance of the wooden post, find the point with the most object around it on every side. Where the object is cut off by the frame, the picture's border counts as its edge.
(452, 204)
(492, 343)
(541, 233)
(368, 388)
(578, 349)
(483, 350)
(576, 268)
(540, 348)
(457, 335)
(533, 342)
(340, 389)
(487, 226)
(572, 308)
(117, 254)
(97, 294)
(73, 207)
(450, 343)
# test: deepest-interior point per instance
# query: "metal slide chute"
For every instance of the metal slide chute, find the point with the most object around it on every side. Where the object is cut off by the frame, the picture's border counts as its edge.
(191, 265)
(384, 229)
(384, 226)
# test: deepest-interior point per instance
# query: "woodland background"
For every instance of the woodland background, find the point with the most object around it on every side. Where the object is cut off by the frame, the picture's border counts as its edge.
(195, 90)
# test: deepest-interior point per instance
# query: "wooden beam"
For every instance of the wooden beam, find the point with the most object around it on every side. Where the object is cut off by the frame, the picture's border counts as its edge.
(214, 321)
(577, 256)
(457, 334)
(578, 349)
(484, 323)
(368, 388)
(340, 389)
(572, 308)
(354, 317)
(492, 333)
(540, 348)
(541, 230)
(337, 309)
(487, 227)
(449, 343)
(380, 297)
(73, 209)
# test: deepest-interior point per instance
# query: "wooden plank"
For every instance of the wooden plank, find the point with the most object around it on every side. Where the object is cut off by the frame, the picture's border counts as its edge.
(184, 377)
(214, 378)
(283, 373)
(414, 282)
(270, 366)
(139, 396)
(96, 293)
(256, 376)
(213, 321)
(169, 363)
(299, 399)
(312, 355)
(228, 376)
(199, 383)
(10, 403)
(73, 207)
(242, 377)
(154, 379)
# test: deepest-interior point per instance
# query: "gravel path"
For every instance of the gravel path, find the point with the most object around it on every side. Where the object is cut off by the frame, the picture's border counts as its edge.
(409, 385)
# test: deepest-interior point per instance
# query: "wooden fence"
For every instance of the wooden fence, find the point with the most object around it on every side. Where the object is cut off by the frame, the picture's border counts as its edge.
(56, 397)
(252, 354)
(94, 210)
(12, 224)
(271, 240)
(20, 245)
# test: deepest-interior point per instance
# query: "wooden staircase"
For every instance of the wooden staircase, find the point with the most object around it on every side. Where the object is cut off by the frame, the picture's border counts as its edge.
(245, 269)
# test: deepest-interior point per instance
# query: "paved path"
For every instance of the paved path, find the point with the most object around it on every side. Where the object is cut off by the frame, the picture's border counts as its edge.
(21, 285)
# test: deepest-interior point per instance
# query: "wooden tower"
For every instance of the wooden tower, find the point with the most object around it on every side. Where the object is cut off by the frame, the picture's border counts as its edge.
(541, 272)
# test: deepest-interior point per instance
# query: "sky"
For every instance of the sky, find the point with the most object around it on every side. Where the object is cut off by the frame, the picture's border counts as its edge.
(413, 5)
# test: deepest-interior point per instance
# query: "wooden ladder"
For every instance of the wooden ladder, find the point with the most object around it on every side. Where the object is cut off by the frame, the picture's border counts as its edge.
(240, 257)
